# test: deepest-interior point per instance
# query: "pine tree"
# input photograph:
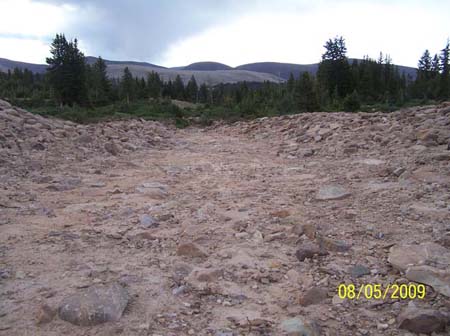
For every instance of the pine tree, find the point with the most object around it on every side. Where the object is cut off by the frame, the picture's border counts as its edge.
(192, 90)
(127, 85)
(101, 85)
(305, 94)
(67, 71)
(290, 85)
(203, 94)
(178, 88)
(154, 85)
(334, 70)
(444, 85)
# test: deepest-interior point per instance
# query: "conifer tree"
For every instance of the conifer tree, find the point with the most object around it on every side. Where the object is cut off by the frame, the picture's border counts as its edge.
(192, 90)
(178, 88)
(127, 85)
(444, 85)
(101, 84)
(203, 93)
(290, 85)
(154, 85)
(67, 71)
(334, 70)
(305, 94)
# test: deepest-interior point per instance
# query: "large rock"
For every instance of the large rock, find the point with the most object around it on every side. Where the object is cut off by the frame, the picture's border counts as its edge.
(95, 305)
(402, 257)
(438, 279)
(423, 321)
(332, 192)
(427, 263)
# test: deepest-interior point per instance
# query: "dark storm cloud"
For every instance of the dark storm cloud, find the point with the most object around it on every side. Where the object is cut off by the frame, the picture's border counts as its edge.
(139, 29)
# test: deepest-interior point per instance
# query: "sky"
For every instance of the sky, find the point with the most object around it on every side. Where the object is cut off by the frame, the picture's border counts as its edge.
(234, 32)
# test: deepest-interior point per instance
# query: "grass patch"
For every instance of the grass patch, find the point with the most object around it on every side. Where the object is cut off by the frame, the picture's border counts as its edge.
(159, 110)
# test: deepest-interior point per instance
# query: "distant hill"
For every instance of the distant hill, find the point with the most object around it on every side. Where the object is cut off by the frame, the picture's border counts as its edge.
(6, 64)
(206, 66)
(282, 70)
(211, 73)
(210, 77)
(92, 60)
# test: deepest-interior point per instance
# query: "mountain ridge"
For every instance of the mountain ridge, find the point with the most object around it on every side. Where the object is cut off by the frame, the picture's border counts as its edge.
(208, 72)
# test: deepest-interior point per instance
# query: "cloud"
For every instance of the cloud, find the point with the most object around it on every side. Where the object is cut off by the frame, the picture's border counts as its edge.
(141, 29)
(177, 32)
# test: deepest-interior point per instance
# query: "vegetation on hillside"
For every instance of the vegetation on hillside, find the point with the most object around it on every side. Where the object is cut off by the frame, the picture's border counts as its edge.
(81, 92)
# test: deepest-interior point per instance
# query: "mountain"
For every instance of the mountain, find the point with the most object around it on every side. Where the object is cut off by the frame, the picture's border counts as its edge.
(91, 60)
(210, 77)
(211, 73)
(282, 70)
(6, 64)
(207, 66)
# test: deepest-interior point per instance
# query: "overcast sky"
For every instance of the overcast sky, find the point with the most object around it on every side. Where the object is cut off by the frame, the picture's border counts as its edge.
(180, 32)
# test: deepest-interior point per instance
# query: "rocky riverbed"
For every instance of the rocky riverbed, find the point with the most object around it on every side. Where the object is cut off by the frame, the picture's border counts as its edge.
(136, 228)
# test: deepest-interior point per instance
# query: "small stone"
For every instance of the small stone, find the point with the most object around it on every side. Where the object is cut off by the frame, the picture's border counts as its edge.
(309, 250)
(241, 235)
(190, 250)
(224, 333)
(97, 184)
(399, 171)
(112, 148)
(358, 271)
(332, 192)
(313, 296)
(299, 327)
(281, 214)
(333, 245)
(382, 326)
(337, 300)
(45, 314)
(179, 290)
(423, 321)
(148, 221)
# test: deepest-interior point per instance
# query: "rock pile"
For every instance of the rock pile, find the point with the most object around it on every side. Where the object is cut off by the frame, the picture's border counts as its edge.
(30, 142)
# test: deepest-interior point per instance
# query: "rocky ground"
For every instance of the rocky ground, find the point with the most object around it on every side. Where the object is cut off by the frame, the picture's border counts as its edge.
(135, 228)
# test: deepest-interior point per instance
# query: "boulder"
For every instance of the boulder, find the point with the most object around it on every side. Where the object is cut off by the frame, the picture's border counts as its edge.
(95, 305)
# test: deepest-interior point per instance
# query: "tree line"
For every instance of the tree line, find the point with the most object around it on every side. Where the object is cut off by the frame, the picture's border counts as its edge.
(339, 84)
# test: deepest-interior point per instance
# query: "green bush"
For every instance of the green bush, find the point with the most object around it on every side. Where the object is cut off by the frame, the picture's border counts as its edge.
(352, 102)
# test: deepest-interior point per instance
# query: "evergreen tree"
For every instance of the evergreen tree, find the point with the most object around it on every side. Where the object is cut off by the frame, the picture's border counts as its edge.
(334, 70)
(290, 85)
(178, 88)
(192, 90)
(142, 89)
(305, 94)
(444, 85)
(154, 85)
(101, 86)
(67, 71)
(127, 85)
(203, 94)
